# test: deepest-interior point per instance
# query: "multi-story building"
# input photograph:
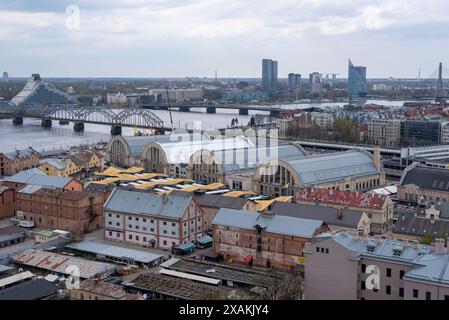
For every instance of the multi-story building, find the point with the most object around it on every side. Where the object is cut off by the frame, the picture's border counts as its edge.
(384, 132)
(74, 211)
(355, 170)
(374, 269)
(38, 92)
(357, 86)
(336, 219)
(151, 220)
(421, 131)
(269, 75)
(7, 202)
(410, 228)
(315, 83)
(294, 81)
(444, 128)
(424, 184)
(116, 98)
(263, 239)
(435, 153)
(379, 208)
(78, 162)
(18, 160)
(178, 95)
(322, 120)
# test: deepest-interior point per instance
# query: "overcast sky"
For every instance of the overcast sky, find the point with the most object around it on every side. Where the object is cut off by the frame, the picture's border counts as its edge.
(177, 38)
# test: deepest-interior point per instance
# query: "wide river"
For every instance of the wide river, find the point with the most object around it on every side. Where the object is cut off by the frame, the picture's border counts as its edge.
(62, 136)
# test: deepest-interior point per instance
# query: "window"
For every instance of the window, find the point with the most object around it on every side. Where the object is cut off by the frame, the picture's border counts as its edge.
(144, 239)
(137, 219)
(110, 233)
(415, 293)
(118, 224)
(164, 223)
(118, 216)
(428, 295)
(144, 220)
(130, 237)
(137, 238)
(322, 250)
(388, 290)
(388, 273)
(173, 233)
(130, 218)
(110, 223)
(130, 226)
(401, 292)
(401, 274)
(110, 215)
(317, 249)
(446, 297)
(363, 285)
(173, 224)
(363, 268)
(164, 231)
(327, 250)
(165, 242)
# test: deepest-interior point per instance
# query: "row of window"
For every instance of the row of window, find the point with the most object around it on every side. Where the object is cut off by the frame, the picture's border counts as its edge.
(428, 294)
(388, 272)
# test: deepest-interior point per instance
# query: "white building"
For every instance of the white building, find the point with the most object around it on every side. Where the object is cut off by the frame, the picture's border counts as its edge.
(322, 119)
(385, 132)
(177, 95)
(116, 98)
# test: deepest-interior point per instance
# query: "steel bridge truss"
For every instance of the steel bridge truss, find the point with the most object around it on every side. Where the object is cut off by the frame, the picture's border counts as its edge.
(132, 117)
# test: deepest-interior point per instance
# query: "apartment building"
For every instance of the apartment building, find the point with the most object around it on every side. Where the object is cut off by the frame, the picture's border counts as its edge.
(78, 212)
(18, 160)
(78, 162)
(375, 269)
(385, 132)
(7, 202)
(263, 240)
(152, 220)
(379, 208)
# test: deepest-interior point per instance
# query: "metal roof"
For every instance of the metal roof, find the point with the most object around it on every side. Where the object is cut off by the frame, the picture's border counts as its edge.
(136, 202)
(426, 177)
(23, 153)
(29, 290)
(417, 226)
(291, 226)
(333, 166)
(59, 263)
(15, 278)
(433, 268)
(44, 180)
(98, 248)
(349, 218)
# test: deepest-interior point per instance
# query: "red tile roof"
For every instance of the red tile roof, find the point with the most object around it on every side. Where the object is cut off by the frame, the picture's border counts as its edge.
(344, 198)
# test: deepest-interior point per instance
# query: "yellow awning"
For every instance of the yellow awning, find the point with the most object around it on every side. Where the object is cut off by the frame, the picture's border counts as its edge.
(128, 177)
(263, 205)
(212, 186)
(146, 176)
(236, 194)
(190, 188)
(110, 171)
(133, 170)
(146, 185)
(106, 181)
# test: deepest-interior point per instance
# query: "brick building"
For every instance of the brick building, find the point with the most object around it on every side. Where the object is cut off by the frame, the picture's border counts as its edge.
(379, 208)
(262, 239)
(18, 160)
(7, 202)
(75, 211)
(151, 220)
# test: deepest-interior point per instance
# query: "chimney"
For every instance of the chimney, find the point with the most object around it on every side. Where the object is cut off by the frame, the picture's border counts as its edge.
(340, 214)
(439, 246)
(376, 158)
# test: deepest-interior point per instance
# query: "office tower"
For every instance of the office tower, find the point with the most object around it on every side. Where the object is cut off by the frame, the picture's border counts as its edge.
(269, 75)
(5, 77)
(356, 81)
(294, 80)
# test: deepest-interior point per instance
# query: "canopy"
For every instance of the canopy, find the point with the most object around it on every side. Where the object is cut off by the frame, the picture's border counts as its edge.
(262, 205)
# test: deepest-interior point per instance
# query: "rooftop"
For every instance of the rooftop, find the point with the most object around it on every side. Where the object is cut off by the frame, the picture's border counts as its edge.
(138, 202)
(59, 263)
(24, 153)
(346, 198)
(298, 227)
(141, 256)
(426, 177)
(331, 216)
(27, 177)
(106, 289)
(421, 227)
(29, 290)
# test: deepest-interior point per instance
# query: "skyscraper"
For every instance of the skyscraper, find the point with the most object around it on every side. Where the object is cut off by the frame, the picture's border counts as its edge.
(294, 80)
(5, 77)
(315, 82)
(269, 75)
(356, 81)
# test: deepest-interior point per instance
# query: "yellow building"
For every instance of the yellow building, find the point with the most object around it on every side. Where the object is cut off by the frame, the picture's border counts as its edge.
(72, 165)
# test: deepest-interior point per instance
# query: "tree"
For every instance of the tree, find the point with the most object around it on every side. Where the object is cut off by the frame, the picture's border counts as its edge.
(288, 287)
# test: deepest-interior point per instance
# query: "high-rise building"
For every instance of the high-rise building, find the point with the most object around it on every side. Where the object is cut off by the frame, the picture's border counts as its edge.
(315, 81)
(294, 80)
(5, 77)
(356, 81)
(269, 75)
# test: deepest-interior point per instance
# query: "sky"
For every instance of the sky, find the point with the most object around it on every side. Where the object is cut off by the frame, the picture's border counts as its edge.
(180, 38)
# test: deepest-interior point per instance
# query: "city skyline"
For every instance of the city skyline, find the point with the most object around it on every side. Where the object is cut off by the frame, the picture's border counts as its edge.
(197, 37)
